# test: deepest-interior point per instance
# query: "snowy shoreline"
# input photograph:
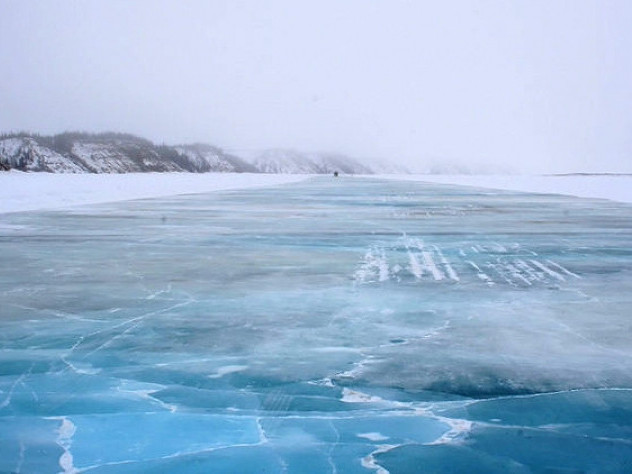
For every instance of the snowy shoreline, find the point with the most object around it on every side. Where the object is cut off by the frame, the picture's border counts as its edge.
(612, 187)
(21, 191)
(37, 191)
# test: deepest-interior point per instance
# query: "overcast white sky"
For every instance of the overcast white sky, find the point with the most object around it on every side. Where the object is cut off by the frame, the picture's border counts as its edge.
(530, 85)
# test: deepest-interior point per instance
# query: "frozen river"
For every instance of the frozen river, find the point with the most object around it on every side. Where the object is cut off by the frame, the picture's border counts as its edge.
(330, 326)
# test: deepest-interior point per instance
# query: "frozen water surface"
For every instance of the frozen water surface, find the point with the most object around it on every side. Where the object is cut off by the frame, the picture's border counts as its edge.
(335, 325)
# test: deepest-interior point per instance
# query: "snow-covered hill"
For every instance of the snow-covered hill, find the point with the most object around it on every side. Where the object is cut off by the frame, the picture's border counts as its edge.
(26, 154)
(204, 158)
(294, 162)
(111, 153)
(123, 153)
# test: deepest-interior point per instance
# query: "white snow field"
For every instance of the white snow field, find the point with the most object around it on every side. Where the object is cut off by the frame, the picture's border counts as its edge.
(34, 191)
(613, 187)
(21, 191)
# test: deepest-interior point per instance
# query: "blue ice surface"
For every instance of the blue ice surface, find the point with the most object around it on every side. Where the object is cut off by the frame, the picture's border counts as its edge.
(336, 325)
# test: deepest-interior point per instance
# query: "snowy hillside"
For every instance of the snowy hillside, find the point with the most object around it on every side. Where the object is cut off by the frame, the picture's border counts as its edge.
(204, 158)
(294, 162)
(26, 154)
(124, 153)
(110, 153)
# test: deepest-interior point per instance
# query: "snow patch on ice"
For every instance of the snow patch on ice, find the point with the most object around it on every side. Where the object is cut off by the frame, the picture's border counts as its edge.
(353, 396)
(372, 436)
(227, 369)
(145, 391)
(369, 461)
(65, 432)
(459, 430)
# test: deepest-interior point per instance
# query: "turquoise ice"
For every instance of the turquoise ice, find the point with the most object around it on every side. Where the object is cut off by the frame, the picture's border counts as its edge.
(337, 325)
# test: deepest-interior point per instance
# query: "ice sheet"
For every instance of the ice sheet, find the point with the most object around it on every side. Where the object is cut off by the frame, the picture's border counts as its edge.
(332, 325)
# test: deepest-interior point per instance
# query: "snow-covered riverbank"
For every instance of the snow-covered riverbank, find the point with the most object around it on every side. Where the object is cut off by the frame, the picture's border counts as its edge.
(614, 187)
(30, 191)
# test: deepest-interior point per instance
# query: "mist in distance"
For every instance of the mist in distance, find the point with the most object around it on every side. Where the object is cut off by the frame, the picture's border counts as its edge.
(525, 86)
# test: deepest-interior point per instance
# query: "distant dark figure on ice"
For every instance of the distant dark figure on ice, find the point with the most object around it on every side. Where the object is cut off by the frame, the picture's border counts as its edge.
(335, 174)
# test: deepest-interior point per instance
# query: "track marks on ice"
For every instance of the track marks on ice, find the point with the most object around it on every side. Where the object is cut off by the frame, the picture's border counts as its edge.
(420, 261)
(480, 273)
(410, 260)
(374, 266)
